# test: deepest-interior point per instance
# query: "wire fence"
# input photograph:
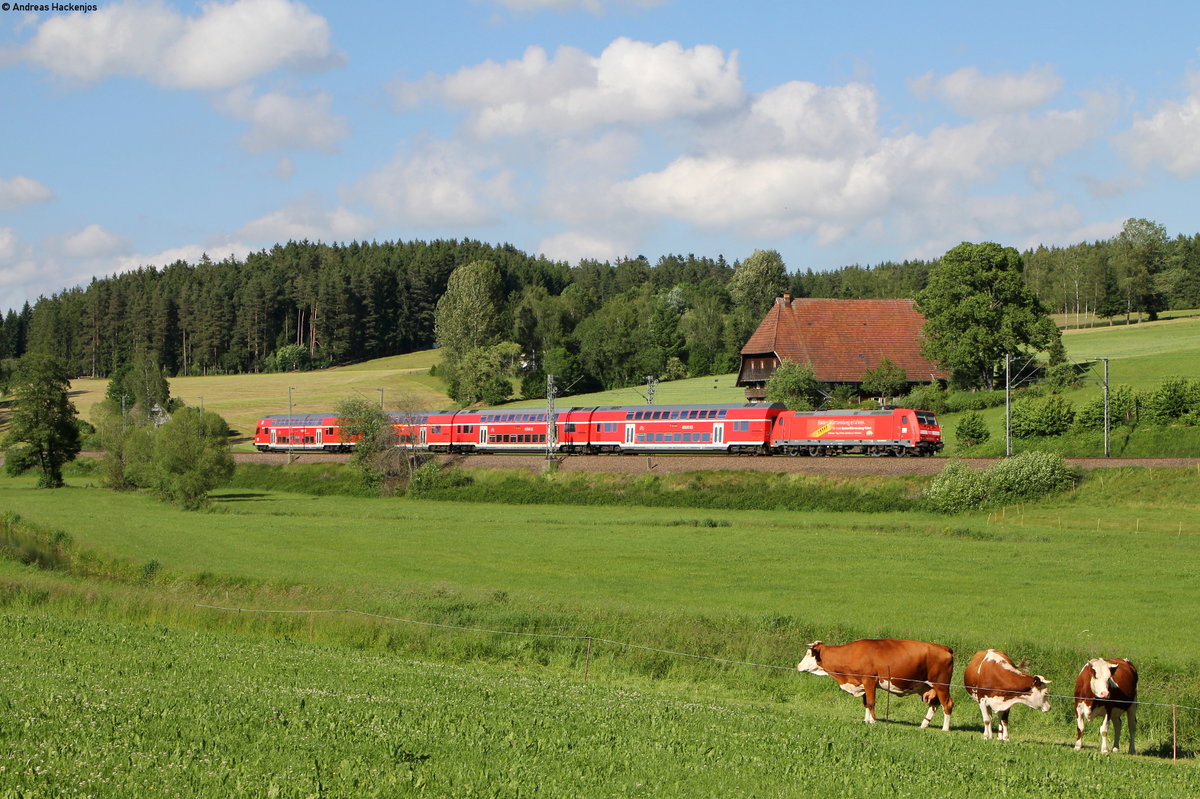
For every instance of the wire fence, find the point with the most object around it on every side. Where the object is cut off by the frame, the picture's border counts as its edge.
(589, 640)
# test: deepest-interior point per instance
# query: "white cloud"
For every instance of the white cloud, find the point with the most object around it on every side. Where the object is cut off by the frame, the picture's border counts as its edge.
(280, 122)
(93, 241)
(226, 45)
(573, 247)
(974, 94)
(804, 117)
(307, 220)
(8, 243)
(188, 253)
(629, 83)
(120, 39)
(579, 176)
(19, 191)
(803, 183)
(1170, 137)
(443, 184)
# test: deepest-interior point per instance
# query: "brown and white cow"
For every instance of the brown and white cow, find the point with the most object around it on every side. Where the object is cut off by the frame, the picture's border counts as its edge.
(1106, 687)
(996, 683)
(898, 666)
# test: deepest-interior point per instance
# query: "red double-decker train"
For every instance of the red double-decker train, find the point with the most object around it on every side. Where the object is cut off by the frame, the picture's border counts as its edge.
(751, 429)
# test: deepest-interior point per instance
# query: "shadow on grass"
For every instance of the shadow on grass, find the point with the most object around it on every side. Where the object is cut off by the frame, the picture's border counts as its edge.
(243, 497)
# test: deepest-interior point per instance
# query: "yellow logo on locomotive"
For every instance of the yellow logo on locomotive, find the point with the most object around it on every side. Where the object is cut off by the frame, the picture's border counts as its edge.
(823, 429)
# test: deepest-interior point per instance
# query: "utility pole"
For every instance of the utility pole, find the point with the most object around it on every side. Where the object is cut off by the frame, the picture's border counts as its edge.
(551, 418)
(380, 390)
(1107, 418)
(291, 426)
(651, 383)
(1007, 406)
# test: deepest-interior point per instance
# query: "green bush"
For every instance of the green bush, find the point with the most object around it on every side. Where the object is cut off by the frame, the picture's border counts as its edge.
(957, 489)
(1124, 409)
(1027, 476)
(971, 430)
(430, 477)
(1049, 416)
(1172, 400)
(926, 397)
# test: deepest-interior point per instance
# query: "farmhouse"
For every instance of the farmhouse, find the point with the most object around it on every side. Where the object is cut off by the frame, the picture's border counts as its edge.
(842, 339)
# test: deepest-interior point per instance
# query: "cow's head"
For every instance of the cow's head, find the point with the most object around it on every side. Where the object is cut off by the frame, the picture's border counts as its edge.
(1039, 694)
(812, 660)
(1101, 681)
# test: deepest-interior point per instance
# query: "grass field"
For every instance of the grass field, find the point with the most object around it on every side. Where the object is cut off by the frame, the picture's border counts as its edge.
(113, 709)
(1108, 569)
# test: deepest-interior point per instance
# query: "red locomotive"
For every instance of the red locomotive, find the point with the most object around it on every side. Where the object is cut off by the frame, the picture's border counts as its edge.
(751, 429)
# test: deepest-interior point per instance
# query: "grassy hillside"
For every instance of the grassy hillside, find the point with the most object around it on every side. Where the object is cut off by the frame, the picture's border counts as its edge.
(243, 399)
(1142, 355)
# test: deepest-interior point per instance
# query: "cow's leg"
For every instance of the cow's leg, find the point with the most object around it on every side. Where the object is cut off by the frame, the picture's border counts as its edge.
(1116, 725)
(931, 701)
(1003, 716)
(987, 720)
(1104, 732)
(943, 698)
(1132, 714)
(869, 699)
(1081, 716)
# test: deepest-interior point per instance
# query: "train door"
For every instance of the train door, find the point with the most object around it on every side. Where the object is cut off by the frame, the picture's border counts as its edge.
(273, 433)
(422, 435)
(482, 435)
(319, 437)
(719, 433)
(630, 434)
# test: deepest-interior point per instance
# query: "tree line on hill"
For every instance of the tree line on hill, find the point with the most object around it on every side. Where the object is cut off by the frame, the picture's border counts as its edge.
(594, 325)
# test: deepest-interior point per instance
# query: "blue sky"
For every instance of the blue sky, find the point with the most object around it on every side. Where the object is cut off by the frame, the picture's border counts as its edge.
(145, 132)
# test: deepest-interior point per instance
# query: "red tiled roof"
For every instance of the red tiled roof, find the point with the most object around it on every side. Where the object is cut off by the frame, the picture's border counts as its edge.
(842, 339)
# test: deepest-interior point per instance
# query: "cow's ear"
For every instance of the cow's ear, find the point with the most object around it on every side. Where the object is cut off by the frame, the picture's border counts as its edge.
(1040, 681)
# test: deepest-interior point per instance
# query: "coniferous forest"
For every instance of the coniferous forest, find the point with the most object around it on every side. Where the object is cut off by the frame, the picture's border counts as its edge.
(601, 324)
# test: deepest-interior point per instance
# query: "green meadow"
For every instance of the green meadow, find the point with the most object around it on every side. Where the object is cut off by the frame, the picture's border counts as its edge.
(1141, 355)
(494, 649)
(117, 709)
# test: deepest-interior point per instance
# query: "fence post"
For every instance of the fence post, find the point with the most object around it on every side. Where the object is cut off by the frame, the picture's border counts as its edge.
(1174, 736)
(587, 659)
(887, 713)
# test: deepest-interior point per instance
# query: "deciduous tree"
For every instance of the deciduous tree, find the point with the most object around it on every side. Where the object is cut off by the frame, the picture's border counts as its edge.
(795, 385)
(885, 380)
(374, 436)
(190, 457)
(42, 430)
(977, 309)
